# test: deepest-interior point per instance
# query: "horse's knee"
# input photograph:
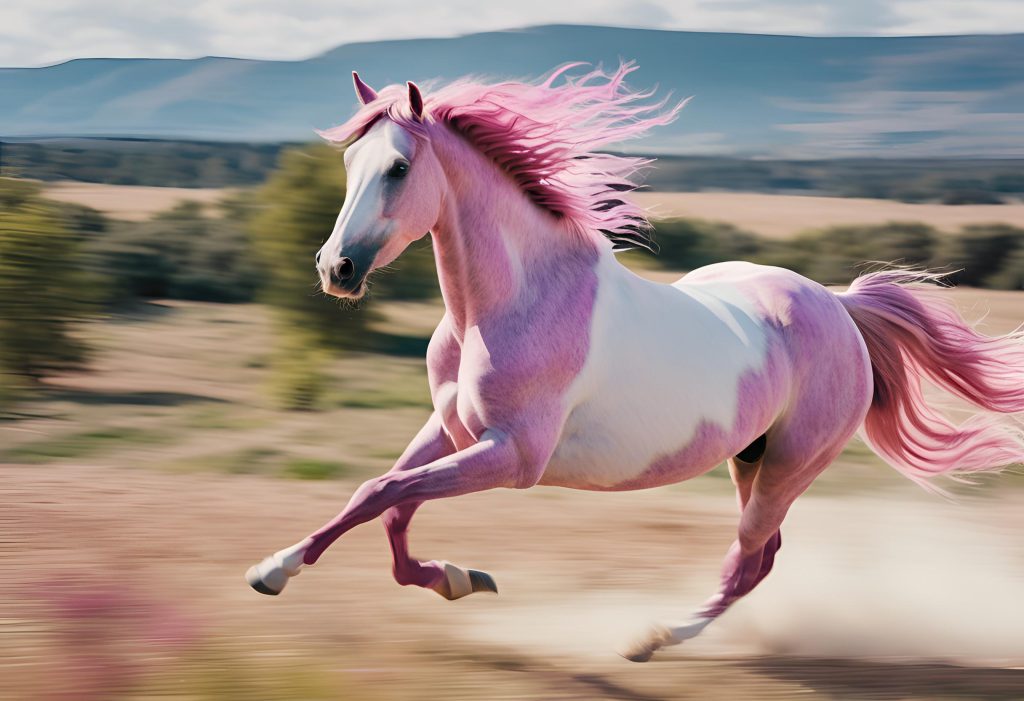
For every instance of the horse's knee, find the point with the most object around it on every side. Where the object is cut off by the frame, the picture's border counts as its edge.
(396, 519)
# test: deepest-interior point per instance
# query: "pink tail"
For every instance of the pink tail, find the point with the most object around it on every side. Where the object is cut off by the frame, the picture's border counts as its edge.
(913, 334)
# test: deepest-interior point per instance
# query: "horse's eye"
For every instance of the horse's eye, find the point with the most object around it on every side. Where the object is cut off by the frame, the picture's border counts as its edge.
(399, 169)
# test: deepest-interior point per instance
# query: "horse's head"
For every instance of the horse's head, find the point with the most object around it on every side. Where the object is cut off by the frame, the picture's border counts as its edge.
(394, 190)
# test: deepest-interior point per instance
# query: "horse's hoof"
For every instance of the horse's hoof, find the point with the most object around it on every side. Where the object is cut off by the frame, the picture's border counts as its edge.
(638, 655)
(269, 580)
(255, 580)
(482, 581)
(270, 576)
(458, 582)
(643, 649)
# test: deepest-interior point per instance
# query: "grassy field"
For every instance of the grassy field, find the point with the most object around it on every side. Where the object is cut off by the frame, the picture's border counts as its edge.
(785, 215)
(134, 496)
(768, 215)
(130, 202)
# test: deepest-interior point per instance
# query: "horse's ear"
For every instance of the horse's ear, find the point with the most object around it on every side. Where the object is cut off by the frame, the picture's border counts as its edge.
(364, 92)
(415, 100)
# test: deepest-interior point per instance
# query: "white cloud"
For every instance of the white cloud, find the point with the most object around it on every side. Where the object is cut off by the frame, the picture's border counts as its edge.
(37, 32)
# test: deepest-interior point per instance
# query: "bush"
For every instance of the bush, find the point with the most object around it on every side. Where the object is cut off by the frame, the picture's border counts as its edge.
(990, 255)
(832, 255)
(687, 244)
(44, 289)
(979, 253)
(837, 254)
(1011, 273)
(181, 254)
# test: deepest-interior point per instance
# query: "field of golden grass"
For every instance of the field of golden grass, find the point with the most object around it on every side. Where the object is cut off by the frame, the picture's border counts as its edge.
(130, 202)
(785, 215)
(134, 496)
(768, 215)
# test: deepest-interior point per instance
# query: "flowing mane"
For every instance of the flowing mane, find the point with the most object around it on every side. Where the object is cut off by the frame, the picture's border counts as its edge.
(546, 136)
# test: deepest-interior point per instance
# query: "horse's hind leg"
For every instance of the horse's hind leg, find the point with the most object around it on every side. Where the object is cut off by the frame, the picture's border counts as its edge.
(799, 448)
(766, 492)
(830, 388)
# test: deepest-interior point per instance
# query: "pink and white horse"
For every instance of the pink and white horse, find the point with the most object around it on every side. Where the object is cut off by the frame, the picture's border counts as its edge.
(556, 365)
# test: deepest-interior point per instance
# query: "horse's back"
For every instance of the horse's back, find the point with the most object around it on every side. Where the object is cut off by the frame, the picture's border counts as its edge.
(804, 314)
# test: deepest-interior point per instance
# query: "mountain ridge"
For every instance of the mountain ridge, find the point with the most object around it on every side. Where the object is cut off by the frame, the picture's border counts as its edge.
(776, 95)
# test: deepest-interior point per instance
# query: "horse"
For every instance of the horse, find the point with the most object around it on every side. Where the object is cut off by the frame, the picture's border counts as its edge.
(556, 365)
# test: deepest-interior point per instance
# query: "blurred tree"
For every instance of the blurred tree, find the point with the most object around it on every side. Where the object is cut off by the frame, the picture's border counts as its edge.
(1011, 273)
(44, 288)
(979, 252)
(837, 254)
(181, 254)
(298, 207)
(686, 244)
(296, 213)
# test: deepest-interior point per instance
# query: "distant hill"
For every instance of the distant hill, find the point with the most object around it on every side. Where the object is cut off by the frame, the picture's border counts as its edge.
(772, 95)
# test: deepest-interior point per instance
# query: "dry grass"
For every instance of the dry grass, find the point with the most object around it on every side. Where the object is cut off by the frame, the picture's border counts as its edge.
(769, 215)
(785, 215)
(130, 202)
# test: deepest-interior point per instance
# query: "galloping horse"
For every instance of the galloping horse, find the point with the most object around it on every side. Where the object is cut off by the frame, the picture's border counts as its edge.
(556, 365)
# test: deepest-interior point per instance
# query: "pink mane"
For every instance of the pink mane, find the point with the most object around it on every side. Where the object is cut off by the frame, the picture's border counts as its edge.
(545, 136)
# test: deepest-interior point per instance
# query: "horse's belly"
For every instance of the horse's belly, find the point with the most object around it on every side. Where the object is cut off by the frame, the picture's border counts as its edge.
(623, 444)
(659, 399)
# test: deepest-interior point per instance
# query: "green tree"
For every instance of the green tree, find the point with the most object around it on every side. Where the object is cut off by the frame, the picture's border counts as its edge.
(44, 288)
(295, 213)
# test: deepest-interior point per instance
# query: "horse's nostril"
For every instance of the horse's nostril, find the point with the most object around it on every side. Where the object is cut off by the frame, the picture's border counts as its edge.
(318, 257)
(343, 271)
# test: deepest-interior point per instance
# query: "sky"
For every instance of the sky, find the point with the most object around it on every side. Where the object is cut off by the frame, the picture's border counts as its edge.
(43, 32)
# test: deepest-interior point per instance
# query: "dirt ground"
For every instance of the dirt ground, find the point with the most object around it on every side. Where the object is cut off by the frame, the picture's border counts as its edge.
(881, 596)
(133, 498)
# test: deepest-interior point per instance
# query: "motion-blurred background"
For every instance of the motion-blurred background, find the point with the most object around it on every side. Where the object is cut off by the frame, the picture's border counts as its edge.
(177, 399)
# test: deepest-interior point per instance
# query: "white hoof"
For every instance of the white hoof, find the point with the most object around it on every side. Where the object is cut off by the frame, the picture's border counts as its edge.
(270, 576)
(642, 649)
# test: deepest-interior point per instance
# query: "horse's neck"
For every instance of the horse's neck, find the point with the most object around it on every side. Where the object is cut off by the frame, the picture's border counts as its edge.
(491, 242)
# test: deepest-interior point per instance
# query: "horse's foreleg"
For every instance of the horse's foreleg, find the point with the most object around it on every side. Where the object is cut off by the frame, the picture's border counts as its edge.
(495, 461)
(431, 443)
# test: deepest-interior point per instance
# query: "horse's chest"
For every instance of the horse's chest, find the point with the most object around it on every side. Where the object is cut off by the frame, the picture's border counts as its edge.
(508, 377)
